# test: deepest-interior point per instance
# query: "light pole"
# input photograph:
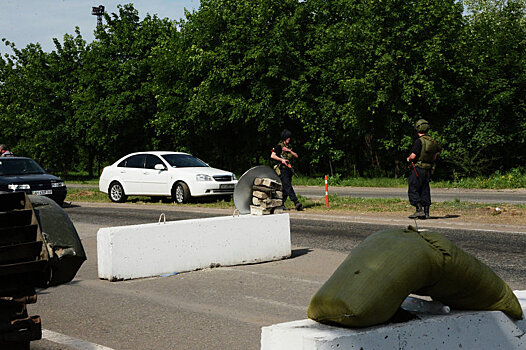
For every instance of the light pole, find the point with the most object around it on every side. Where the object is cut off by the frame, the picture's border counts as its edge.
(99, 12)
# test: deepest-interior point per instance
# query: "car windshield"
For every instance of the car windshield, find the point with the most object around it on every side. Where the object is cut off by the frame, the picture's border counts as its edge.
(183, 161)
(19, 167)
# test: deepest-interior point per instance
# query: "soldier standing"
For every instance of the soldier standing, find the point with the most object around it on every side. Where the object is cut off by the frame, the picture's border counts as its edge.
(422, 161)
(284, 155)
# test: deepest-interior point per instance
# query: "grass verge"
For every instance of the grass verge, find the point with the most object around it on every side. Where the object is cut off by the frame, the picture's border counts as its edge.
(512, 179)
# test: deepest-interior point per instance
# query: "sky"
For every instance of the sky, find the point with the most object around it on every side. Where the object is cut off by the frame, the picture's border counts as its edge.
(32, 21)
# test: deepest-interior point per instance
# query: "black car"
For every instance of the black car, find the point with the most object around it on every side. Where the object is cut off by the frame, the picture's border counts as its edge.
(20, 174)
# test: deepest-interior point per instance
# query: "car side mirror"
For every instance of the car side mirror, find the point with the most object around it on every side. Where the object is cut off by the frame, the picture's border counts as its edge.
(159, 167)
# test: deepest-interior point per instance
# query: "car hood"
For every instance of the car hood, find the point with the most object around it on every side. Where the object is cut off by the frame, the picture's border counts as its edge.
(29, 178)
(203, 170)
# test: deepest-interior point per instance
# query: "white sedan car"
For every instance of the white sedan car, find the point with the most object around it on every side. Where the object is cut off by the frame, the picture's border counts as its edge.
(166, 174)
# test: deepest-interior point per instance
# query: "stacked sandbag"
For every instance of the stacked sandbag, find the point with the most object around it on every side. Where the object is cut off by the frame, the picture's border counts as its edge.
(267, 197)
(369, 286)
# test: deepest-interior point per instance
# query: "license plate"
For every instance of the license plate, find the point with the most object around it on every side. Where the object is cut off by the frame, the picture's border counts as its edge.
(42, 192)
(226, 187)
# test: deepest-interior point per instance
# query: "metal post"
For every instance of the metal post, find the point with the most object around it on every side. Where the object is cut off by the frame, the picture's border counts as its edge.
(99, 12)
(326, 192)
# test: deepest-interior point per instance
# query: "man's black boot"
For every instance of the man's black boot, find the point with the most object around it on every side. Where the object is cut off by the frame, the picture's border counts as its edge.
(283, 207)
(299, 206)
(426, 212)
(419, 213)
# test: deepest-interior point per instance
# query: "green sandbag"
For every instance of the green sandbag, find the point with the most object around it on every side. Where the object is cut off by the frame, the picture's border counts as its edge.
(373, 281)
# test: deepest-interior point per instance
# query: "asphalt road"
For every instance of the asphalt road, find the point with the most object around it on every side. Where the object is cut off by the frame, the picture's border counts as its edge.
(513, 196)
(222, 308)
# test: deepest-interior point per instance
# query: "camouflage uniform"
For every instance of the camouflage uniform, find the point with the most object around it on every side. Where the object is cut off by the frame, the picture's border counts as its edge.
(419, 192)
(285, 173)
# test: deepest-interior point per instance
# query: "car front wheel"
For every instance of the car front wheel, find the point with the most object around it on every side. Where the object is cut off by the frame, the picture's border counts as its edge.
(116, 193)
(181, 193)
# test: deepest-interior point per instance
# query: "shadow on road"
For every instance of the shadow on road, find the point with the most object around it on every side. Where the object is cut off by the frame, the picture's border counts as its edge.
(449, 216)
(70, 205)
(299, 252)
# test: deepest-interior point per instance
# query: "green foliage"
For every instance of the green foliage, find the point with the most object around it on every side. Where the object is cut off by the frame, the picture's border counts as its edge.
(349, 78)
(515, 178)
(36, 110)
(116, 103)
(233, 65)
(339, 180)
(488, 130)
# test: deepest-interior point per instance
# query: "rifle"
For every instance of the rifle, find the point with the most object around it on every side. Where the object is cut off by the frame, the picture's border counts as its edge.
(288, 165)
(414, 168)
(291, 168)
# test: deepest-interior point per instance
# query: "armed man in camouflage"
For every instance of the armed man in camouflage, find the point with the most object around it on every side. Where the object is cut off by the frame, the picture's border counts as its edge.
(284, 156)
(422, 163)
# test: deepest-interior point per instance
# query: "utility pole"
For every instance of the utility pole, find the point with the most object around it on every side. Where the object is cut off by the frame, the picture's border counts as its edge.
(99, 12)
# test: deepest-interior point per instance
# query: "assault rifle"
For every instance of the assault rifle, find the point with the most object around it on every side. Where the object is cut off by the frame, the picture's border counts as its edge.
(414, 168)
(291, 168)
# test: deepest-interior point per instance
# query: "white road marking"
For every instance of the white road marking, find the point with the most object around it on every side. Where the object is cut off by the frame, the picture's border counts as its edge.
(69, 341)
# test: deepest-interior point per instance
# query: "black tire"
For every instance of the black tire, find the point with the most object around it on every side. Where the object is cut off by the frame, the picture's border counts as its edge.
(116, 193)
(181, 193)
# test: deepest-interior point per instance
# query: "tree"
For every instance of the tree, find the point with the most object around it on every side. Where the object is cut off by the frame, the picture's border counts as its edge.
(349, 77)
(238, 61)
(374, 69)
(488, 130)
(115, 104)
(36, 97)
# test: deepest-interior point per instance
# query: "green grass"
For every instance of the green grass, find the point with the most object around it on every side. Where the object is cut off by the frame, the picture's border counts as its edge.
(80, 178)
(350, 182)
(385, 204)
(509, 180)
(336, 203)
(94, 195)
(84, 195)
(85, 181)
(516, 178)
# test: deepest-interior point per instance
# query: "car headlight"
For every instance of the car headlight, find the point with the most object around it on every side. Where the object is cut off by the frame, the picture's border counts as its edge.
(234, 177)
(17, 187)
(58, 184)
(203, 177)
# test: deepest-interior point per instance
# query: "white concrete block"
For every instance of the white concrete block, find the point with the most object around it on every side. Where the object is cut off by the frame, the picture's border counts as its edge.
(457, 330)
(127, 252)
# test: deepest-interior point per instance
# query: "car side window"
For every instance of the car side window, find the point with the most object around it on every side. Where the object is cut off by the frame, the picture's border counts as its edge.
(152, 161)
(136, 161)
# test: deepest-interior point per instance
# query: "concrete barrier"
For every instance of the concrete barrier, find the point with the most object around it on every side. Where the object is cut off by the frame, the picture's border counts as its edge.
(457, 330)
(128, 252)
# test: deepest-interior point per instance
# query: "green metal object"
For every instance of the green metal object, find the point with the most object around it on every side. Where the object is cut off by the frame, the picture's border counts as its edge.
(39, 247)
(65, 250)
